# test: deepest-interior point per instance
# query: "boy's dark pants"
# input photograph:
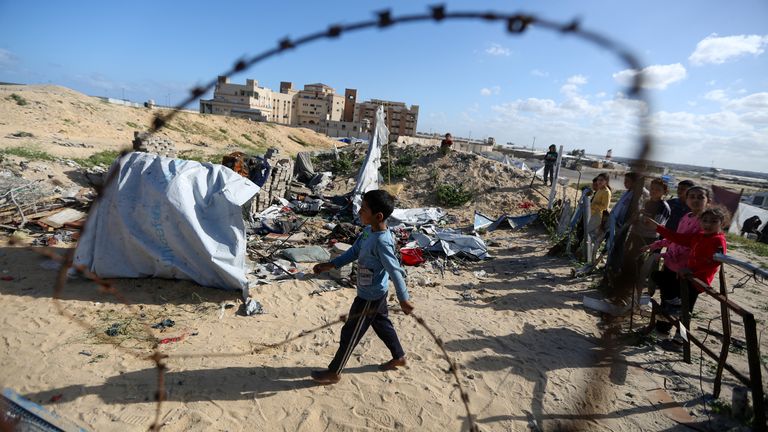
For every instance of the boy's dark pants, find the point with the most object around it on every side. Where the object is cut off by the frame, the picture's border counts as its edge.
(549, 172)
(362, 314)
(669, 285)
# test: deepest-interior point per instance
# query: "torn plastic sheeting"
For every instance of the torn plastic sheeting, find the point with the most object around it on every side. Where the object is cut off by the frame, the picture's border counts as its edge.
(452, 243)
(368, 177)
(303, 169)
(169, 218)
(484, 222)
(416, 216)
(307, 254)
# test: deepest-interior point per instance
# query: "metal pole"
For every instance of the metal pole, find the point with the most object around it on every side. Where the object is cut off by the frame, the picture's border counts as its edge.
(686, 318)
(389, 164)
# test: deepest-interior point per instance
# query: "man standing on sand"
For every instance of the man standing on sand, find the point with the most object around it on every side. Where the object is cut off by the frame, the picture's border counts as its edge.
(549, 165)
(446, 144)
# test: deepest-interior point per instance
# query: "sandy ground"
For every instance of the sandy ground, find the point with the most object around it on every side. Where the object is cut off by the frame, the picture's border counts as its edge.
(528, 351)
(531, 356)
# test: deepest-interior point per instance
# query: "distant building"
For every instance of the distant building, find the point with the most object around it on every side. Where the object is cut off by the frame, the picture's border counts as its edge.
(317, 103)
(316, 107)
(401, 120)
(248, 101)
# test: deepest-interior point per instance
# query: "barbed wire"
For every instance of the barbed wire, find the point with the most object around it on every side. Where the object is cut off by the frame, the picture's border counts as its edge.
(516, 24)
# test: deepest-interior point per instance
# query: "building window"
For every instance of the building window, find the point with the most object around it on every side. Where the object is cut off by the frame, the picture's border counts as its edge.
(758, 201)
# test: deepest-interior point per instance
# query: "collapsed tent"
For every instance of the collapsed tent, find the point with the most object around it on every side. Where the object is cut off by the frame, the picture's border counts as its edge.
(368, 176)
(484, 222)
(169, 218)
(415, 216)
(451, 242)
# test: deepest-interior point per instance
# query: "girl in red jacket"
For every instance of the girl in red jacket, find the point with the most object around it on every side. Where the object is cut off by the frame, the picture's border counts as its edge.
(704, 245)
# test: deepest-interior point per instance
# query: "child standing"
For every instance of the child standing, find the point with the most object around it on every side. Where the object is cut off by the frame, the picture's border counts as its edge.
(655, 208)
(374, 251)
(703, 244)
(600, 202)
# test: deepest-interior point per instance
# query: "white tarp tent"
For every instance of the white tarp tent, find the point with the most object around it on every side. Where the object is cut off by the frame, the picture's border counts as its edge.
(169, 218)
(368, 176)
(744, 212)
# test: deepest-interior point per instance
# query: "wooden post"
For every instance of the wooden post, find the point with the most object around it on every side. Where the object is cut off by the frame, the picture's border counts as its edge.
(755, 372)
(725, 313)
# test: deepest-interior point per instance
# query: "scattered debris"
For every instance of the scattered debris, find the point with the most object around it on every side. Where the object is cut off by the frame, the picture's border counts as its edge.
(253, 307)
(166, 323)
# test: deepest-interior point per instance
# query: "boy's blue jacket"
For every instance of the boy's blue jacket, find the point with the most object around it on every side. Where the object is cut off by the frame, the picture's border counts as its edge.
(377, 262)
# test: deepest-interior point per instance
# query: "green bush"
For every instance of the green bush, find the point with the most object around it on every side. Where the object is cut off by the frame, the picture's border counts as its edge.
(399, 168)
(754, 246)
(344, 165)
(22, 134)
(19, 100)
(450, 195)
(104, 158)
(28, 153)
(132, 124)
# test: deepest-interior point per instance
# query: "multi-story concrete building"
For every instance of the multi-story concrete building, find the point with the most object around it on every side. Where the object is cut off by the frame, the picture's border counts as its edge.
(249, 101)
(401, 120)
(317, 103)
(316, 107)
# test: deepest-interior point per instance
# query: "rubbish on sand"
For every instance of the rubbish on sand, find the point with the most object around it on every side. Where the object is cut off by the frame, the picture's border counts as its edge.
(166, 323)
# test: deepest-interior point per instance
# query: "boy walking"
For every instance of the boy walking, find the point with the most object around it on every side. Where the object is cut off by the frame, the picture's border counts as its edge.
(374, 251)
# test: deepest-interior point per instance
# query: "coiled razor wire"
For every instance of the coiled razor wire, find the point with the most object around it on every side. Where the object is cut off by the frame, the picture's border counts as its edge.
(516, 24)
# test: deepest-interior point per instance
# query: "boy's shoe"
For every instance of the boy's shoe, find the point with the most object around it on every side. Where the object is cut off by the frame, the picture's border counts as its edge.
(392, 364)
(325, 377)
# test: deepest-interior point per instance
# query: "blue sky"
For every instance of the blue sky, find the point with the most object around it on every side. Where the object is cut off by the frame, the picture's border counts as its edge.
(707, 60)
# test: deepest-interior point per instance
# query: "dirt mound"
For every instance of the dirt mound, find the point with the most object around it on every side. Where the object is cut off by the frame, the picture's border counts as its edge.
(64, 123)
(490, 187)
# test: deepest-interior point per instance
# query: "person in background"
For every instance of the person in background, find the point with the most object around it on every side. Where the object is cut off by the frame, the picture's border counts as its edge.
(655, 208)
(549, 164)
(601, 199)
(677, 205)
(446, 144)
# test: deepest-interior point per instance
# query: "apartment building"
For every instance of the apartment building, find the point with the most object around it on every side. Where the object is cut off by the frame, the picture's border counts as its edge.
(401, 120)
(249, 101)
(317, 106)
(317, 103)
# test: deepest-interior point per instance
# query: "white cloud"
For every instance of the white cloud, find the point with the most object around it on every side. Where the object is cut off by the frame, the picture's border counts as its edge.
(7, 58)
(725, 135)
(539, 73)
(656, 76)
(486, 91)
(497, 50)
(717, 50)
(716, 95)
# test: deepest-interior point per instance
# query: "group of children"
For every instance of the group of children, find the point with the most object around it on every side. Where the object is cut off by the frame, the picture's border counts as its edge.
(689, 226)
